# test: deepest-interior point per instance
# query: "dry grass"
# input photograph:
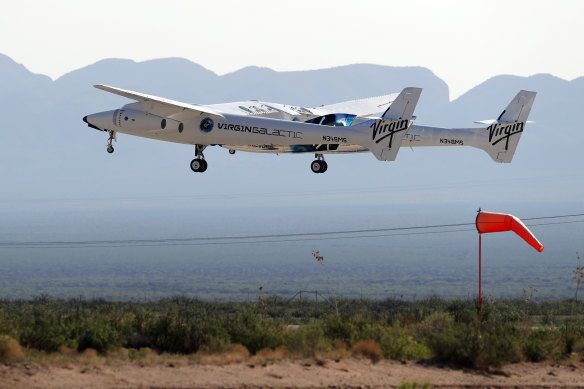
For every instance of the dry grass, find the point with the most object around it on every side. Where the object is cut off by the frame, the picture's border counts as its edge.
(339, 351)
(91, 353)
(237, 354)
(368, 349)
(10, 350)
(67, 351)
(267, 355)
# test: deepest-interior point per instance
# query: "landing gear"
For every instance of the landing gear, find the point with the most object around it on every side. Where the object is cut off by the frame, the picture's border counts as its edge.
(231, 151)
(199, 165)
(319, 165)
(112, 136)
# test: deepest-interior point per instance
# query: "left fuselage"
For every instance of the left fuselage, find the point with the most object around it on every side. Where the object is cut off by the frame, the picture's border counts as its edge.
(229, 129)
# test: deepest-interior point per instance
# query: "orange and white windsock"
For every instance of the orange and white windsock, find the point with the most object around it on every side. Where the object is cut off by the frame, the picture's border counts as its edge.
(487, 222)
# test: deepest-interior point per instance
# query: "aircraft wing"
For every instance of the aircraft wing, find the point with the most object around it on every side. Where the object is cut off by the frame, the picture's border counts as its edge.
(159, 105)
(361, 107)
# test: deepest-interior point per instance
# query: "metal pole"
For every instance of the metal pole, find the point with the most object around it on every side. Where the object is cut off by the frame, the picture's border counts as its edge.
(480, 288)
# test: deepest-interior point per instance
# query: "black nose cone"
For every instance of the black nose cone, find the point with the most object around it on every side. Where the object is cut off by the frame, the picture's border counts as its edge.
(85, 119)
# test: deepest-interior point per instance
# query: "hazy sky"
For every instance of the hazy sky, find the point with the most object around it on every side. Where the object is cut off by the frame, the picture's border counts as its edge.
(463, 42)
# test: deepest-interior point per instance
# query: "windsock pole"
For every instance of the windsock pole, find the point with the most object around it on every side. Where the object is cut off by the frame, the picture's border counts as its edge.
(496, 222)
(480, 276)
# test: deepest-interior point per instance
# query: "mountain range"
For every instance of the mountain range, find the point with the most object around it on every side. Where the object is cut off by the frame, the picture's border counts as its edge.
(58, 183)
(50, 153)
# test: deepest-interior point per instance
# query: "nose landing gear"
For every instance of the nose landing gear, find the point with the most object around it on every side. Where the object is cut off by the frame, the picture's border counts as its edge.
(199, 165)
(319, 165)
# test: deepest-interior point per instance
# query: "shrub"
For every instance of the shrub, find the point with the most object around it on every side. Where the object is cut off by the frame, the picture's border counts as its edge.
(476, 345)
(10, 350)
(307, 340)
(458, 344)
(255, 333)
(542, 344)
(47, 334)
(396, 344)
(172, 333)
(99, 336)
(342, 328)
(369, 349)
(217, 344)
(498, 345)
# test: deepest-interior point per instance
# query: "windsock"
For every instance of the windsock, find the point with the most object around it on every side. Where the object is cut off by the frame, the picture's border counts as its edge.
(497, 222)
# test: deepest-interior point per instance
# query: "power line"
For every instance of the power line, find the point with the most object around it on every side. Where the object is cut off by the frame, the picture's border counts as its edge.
(270, 238)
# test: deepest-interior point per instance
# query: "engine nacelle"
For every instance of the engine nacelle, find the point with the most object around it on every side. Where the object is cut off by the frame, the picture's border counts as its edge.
(137, 120)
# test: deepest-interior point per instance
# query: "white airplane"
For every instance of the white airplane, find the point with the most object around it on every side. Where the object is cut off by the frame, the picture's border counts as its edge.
(380, 125)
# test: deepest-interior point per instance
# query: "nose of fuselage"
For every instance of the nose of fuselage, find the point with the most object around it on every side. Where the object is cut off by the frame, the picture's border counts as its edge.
(101, 120)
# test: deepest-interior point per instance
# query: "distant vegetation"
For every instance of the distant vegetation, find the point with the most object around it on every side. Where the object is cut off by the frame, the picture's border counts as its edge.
(444, 330)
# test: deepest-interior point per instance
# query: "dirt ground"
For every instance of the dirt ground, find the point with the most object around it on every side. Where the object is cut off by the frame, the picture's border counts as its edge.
(344, 373)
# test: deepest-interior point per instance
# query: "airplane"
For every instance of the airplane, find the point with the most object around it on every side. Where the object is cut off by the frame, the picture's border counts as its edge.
(380, 125)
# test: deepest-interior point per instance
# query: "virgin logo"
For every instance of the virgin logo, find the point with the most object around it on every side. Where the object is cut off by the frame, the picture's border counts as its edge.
(503, 131)
(387, 128)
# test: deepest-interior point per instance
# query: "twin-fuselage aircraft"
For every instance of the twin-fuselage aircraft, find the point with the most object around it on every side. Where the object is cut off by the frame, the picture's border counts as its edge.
(380, 125)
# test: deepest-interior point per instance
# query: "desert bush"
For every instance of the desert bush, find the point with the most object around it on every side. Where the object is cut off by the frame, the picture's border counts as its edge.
(173, 333)
(98, 336)
(397, 344)
(346, 329)
(499, 344)
(477, 345)
(10, 350)
(438, 321)
(446, 329)
(46, 333)
(254, 332)
(534, 348)
(369, 349)
(234, 353)
(216, 344)
(307, 340)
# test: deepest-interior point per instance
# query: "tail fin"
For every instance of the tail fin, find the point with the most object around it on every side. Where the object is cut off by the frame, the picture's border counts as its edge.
(504, 133)
(387, 133)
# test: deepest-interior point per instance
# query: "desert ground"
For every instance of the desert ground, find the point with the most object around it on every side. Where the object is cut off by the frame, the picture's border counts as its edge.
(343, 373)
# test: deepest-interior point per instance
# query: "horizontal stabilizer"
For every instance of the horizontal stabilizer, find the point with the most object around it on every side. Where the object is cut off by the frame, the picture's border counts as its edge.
(491, 121)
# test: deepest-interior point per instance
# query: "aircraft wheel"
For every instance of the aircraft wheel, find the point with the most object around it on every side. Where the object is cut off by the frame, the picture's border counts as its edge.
(110, 149)
(198, 165)
(324, 166)
(316, 166)
(231, 151)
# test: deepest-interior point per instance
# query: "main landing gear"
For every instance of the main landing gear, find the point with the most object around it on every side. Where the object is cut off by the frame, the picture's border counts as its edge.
(110, 147)
(319, 165)
(199, 165)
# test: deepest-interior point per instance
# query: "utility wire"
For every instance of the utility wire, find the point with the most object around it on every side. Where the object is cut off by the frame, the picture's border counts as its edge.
(271, 238)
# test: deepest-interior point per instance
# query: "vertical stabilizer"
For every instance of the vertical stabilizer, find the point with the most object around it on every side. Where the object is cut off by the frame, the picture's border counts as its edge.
(387, 133)
(504, 133)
